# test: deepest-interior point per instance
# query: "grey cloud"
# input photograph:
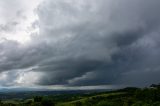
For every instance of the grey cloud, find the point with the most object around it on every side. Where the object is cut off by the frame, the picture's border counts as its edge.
(8, 78)
(88, 43)
(8, 27)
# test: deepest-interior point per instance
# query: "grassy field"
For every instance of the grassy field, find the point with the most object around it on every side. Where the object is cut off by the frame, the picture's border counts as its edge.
(86, 99)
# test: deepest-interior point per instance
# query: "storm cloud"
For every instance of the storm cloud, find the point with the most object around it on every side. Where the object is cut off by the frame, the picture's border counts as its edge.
(83, 43)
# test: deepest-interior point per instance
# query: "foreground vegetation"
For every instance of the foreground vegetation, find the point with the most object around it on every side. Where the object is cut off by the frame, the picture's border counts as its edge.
(124, 97)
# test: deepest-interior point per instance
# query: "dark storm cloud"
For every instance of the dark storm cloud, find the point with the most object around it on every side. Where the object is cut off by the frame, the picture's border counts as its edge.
(91, 43)
(70, 68)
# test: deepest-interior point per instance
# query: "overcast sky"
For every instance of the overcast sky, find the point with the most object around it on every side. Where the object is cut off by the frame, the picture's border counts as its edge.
(71, 43)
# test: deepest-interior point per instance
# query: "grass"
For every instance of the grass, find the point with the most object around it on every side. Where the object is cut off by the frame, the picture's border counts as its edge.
(84, 99)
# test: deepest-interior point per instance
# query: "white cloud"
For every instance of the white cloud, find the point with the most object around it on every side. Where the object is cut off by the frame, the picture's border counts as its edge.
(17, 18)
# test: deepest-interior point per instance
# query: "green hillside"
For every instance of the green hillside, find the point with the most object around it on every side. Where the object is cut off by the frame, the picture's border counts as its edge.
(123, 97)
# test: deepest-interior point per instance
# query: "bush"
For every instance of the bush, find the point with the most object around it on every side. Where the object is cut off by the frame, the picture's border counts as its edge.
(47, 102)
(106, 103)
(37, 99)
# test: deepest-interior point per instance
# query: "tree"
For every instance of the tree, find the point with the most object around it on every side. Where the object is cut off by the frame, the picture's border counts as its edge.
(47, 102)
(37, 99)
